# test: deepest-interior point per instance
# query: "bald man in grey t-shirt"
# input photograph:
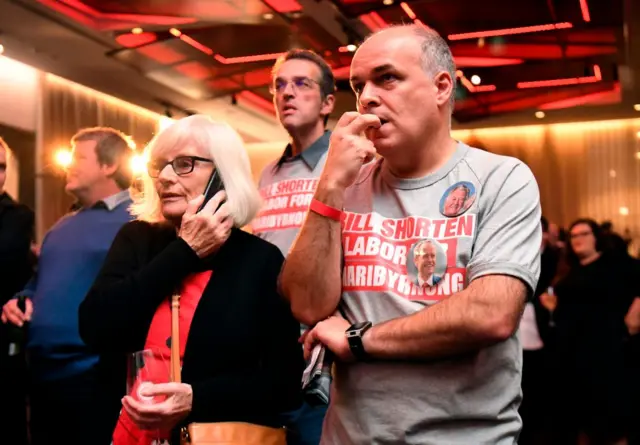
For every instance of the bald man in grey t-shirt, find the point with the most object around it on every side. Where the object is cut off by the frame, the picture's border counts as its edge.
(417, 363)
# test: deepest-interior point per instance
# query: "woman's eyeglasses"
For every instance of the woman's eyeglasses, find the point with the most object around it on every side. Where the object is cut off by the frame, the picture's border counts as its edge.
(182, 165)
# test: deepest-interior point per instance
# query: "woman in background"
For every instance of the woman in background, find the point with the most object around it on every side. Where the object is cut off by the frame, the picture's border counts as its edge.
(592, 300)
(241, 360)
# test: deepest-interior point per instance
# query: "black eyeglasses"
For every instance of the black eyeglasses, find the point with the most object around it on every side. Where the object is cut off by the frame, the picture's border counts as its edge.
(182, 165)
(298, 83)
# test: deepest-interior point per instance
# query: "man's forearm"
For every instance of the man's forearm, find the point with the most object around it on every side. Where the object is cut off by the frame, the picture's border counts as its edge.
(469, 320)
(311, 277)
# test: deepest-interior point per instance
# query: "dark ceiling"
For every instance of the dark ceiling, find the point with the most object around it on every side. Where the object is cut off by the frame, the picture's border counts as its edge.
(512, 57)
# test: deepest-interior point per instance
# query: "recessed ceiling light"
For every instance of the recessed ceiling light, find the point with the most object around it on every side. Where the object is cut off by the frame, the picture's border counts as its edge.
(636, 107)
(624, 211)
(351, 47)
(267, 16)
(136, 31)
(475, 79)
(540, 114)
(387, 2)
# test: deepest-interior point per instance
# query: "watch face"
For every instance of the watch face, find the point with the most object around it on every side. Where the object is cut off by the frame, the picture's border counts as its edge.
(358, 326)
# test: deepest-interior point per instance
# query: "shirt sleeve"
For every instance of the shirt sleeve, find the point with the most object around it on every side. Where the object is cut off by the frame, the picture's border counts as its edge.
(509, 234)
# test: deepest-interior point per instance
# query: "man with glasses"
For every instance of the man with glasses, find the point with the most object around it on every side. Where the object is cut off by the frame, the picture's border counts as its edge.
(303, 89)
(66, 404)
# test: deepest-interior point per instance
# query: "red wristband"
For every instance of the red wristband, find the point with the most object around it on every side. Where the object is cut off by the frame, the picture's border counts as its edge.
(322, 209)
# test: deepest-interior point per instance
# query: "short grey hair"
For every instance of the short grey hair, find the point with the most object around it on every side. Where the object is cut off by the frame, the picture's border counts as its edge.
(436, 55)
(226, 148)
(466, 189)
(420, 247)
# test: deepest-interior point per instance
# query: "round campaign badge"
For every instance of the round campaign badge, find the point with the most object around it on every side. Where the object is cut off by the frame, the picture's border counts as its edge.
(427, 263)
(458, 199)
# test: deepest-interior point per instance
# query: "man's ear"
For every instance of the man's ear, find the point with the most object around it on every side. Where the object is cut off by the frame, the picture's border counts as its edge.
(109, 170)
(328, 104)
(444, 87)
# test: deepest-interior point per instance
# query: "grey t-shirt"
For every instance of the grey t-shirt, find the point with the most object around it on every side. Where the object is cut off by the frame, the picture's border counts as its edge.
(287, 186)
(407, 244)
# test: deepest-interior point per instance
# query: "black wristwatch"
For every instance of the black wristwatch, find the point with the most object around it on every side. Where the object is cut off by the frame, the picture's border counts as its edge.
(354, 337)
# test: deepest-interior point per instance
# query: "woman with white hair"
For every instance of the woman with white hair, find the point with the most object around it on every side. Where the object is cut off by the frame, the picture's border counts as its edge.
(241, 361)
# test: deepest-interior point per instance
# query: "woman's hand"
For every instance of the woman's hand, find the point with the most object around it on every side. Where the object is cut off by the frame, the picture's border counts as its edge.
(208, 229)
(549, 302)
(163, 415)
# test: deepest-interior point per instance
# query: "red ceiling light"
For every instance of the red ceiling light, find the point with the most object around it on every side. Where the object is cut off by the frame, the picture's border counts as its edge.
(373, 21)
(252, 98)
(284, 6)
(191, 41)
(597, 77)
(510, 31)
(224, 60)
(407, 9)
(466, 62)
(607, 97)
(77, 10)
(247, 59)
(474, 88)
(584, 7)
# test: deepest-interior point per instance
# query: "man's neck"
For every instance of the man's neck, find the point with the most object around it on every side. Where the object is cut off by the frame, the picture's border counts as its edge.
(423, 160)
(303, 138)
(97, 193)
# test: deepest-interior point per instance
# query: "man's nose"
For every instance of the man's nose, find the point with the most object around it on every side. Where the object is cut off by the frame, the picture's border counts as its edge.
(368, 98)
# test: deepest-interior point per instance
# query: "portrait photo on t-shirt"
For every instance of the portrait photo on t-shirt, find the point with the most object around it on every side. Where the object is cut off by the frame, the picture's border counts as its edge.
(427, 263)
(458, 198)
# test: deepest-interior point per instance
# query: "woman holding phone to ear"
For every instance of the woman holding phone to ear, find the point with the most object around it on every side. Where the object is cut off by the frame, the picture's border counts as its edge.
(241, 361)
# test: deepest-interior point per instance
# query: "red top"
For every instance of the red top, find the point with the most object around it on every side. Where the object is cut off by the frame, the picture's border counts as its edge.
(158, 361)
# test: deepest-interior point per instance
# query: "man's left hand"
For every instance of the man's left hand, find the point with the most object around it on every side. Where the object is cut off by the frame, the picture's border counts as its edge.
(162, 415)
(331, 333)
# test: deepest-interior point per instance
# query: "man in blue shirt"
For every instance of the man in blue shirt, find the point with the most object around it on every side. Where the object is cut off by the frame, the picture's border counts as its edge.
(67, 406)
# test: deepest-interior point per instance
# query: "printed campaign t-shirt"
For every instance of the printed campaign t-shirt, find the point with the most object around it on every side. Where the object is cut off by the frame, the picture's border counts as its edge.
(408, 244)
(287, 186)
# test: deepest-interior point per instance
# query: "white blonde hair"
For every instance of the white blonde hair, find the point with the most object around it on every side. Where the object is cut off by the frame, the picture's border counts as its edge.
(225, 147)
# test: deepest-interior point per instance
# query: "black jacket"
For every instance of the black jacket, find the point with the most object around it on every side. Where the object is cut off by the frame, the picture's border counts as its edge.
(16, 259)
(242, 356)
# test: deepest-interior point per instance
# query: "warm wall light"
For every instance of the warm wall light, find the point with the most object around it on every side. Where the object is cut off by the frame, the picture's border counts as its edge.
(63, 157)
(138, 164)
(624, 211)
(540, 114)
(613, 173)
(636, 107)
(638, 155)
(267, 16)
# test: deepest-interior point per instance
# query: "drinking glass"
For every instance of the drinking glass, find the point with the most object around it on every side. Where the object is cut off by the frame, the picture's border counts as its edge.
(145, 368)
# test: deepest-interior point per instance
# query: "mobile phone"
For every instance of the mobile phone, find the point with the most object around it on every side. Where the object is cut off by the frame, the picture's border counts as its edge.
(213, 186)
